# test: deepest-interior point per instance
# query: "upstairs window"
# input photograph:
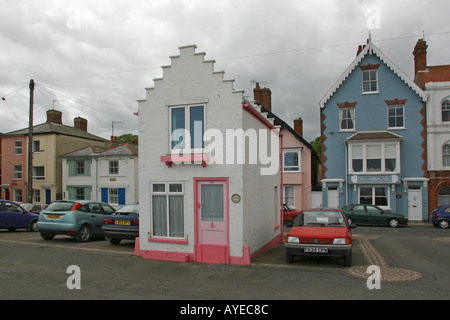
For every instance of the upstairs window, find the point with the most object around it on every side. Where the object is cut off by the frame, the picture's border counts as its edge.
(347, 119)
(370, 81)
(374, 158)
(187, 126)
(446, 155)
(292, 160)
(446, 111)
(396, 116)
(18, 147)
(114, 167)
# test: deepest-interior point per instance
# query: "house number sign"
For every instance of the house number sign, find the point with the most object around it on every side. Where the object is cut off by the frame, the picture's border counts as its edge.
(235, 198)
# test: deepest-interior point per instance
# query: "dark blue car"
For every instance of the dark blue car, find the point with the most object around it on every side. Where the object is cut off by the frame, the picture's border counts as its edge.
(440, 216)
(123, 224)
(13, 216)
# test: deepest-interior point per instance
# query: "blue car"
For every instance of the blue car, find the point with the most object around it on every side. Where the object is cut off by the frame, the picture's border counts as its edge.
(123, 224)
(81, 219)
(13, 216)
(440, 216)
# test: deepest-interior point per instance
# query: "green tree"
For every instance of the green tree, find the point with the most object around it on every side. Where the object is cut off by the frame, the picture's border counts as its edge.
(317, 145)
(127, 138)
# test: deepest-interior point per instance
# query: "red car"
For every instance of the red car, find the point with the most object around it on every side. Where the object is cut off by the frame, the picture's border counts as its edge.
(320, 232)
(289, 214)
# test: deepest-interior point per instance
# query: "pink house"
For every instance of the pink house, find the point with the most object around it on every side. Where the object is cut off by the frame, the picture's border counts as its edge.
(300, 161)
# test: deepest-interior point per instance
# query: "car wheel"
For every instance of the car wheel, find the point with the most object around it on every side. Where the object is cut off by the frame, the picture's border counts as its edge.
(33, 226)
(393, 223)
(348, 260)
(289, 258)
(84, 234)
(47, 236)
(443, 224)
(114, 240)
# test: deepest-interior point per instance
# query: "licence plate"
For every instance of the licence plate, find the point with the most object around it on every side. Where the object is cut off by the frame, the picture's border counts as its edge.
(53, 216)
(122, 222)
(316, 250)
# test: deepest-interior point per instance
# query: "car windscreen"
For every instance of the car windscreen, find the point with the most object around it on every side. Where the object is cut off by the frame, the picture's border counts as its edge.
(129, 209)
(320, 218)
(60, 206)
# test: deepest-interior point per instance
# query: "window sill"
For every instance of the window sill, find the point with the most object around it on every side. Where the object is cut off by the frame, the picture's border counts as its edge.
(169, 240)
(371, 92)
(171, 159)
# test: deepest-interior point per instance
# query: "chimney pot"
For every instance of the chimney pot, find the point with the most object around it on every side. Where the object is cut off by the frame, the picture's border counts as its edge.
(263, 96)
(80, 123)
(54, 116)
(298, 126)
(420, 56)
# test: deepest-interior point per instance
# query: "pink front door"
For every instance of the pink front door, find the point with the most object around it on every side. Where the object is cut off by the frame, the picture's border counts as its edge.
(212, 240)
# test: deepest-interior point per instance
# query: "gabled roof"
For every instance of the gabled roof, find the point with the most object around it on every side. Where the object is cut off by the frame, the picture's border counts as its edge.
(56, 128)
(370, 49)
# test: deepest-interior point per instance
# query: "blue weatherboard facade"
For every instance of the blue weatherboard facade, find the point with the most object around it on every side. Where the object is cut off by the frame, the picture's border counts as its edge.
(374, 139)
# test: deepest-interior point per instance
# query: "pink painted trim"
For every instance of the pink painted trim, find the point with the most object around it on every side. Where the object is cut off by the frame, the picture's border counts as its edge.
(245, 260)
(185, 158)
(281, 183)
(167, 256)
(168, 240)
(269, 245)
(247, 107)
(197, 245)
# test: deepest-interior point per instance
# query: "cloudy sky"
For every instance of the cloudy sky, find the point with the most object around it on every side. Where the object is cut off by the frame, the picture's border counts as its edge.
(94, 58)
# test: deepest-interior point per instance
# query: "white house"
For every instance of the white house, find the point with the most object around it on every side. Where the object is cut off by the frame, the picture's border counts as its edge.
(435, 80)
(209, 178)
(93, 173)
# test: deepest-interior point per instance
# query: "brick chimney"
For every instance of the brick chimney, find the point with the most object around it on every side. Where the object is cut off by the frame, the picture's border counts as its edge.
(54, 116)
(80, 123)
(420, 56)
(263, 96)
(298, 126)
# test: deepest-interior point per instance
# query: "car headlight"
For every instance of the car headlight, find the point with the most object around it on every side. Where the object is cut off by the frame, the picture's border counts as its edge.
(339, 241)
(293, 240)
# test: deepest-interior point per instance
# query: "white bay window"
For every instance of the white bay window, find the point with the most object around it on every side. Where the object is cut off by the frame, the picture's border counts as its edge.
(380, 158)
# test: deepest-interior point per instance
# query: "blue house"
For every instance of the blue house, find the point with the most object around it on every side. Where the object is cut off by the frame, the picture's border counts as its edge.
(373, 134)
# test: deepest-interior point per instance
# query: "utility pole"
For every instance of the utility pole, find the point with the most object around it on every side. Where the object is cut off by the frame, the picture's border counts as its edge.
(30, 146)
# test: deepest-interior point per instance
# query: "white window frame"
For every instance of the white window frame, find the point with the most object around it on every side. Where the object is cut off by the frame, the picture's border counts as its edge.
(369, 82)
(396, 117)
(296, 168)
(17, 172)
(373, 187)
(18, 195)
(446, 155)
(167, 193)
(35, 176)
(113, 195)
(112, 168)
(18, 148)
(383, 157)
(352, 111)
(445, 107)
(285, 197)
(187, 137)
